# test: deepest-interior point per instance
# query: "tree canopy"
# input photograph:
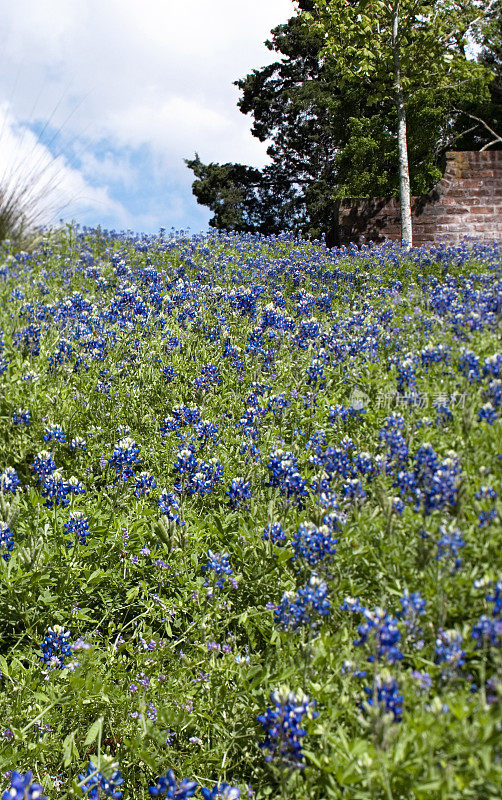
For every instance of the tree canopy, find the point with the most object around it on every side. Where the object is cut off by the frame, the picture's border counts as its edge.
(332, 135)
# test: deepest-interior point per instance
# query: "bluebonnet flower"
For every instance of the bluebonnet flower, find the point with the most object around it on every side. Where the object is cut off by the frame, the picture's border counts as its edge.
(284, 474)
(206, 432)
(449, 652)
(78, 524)
(6, 541)
(493, 365)
(144, 483)
(56, 647)
(353, 489)
(281, 724)
(21, 417)
(9, 480)
(28, 339)
(125, 454)
(94, 780)
(169, 504)
(169, 374)
(494, 392)
(78, 443)
(448, 547)
(186, 462)
(315, 373)
(338, 412)
(210, 377)
(314, 544)
(43, 465)
(486, 493)
(436, 481)
(487, 413)
(487, 630)
(413, 606)
(219, 564)
(468, 365)
(335, 520)
(239, 492)
(75, 486)
(31, 377)
(434, 354)
(406, 379)
(378, 627)
(62, 354)
(398, 505)
(486, 516)
(203, 478)
(424, 680)
(55, 432)
(56, 490)
(443, 412)
(23, 787)
(168, 787)
(496, 597)
(306, 607)
(275, 534)
(224, 790)
(385, 696)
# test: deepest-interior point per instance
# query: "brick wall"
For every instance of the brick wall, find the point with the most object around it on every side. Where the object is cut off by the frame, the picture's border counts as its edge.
(467, 201)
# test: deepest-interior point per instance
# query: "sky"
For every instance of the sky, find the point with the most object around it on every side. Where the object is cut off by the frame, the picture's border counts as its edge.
(101, 100)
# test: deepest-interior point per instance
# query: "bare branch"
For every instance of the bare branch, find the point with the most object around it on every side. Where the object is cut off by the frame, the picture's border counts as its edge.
(497, 138)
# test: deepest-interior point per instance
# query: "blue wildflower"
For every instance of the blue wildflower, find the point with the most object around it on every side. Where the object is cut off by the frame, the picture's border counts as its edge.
(448, 547)
(94, 780)
(168, 786)
(144, 483)
(314, 544)
(306, 607)
(125, 454)
(78, 524)
(275, 534)
(21, 417)
(9, 480)
(169, 374)
(43, 465)
(449, 651)
(281, 723)
(23, 787)
(224, 790)
(385, 695)
(6, 541)
(487, 413)
(56, 647)
(239, 493)
(169, 504)
(55, 432)
(487, 631)
(219, 564)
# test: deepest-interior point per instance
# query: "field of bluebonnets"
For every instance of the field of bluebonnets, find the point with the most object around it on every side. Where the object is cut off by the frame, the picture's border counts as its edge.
(251, 521)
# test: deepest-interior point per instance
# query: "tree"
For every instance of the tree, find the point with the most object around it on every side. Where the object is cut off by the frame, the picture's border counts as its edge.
(420, 43)
(330, 135)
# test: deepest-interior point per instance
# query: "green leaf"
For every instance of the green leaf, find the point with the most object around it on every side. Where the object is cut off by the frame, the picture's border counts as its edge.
(92, 733)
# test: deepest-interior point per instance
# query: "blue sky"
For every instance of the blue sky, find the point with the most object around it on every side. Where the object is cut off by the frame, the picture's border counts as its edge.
(105, 98)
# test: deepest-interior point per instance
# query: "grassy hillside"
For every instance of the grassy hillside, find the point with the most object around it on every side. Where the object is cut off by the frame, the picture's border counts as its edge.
(251, 519)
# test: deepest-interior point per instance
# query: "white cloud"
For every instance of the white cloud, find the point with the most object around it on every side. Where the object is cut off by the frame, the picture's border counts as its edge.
(152, 74)
(29, 170)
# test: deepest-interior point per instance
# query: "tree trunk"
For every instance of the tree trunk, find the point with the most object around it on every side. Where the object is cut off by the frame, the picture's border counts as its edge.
(402, 143)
